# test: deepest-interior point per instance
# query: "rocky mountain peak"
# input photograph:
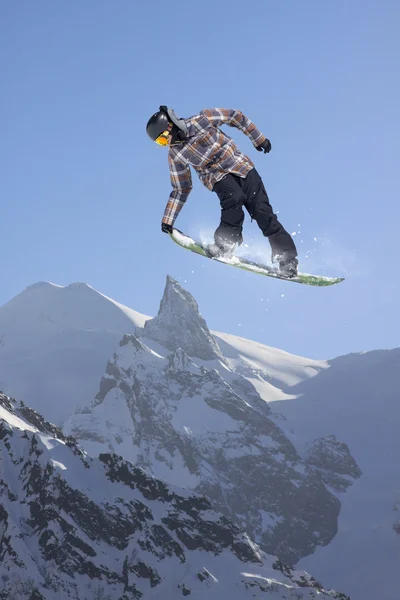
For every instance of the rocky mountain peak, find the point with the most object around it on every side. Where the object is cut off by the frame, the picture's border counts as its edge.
(179, 324)
(74, 528)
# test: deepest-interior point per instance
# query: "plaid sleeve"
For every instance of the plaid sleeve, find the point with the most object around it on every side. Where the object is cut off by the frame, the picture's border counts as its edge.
(181, 180)
(234, 118)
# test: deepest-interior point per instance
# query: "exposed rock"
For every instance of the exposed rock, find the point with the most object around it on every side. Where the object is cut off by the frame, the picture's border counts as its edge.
(334, 462)
(74, 528)
(180, 325)
(187, 425)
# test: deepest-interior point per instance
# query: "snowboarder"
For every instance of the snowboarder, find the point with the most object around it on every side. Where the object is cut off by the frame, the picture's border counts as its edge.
(197, 141)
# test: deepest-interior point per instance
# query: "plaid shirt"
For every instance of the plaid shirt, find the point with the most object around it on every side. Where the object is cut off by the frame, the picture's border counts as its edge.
(211, 153)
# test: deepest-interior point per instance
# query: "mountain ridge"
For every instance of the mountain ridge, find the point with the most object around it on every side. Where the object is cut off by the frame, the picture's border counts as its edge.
(60, 535)
(350, 400)
(203, 426)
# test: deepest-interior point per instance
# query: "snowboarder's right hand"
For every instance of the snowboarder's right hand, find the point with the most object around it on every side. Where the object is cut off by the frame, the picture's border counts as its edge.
(165, 228)
(264, 147)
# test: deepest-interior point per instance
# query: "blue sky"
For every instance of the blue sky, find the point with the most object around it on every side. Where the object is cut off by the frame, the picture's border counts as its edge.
(83, 189)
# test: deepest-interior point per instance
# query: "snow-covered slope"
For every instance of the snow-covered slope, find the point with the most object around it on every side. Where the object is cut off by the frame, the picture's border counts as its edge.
(55, 342)
(199, 424)
(353, 398)
(78, 528)
(357, 398)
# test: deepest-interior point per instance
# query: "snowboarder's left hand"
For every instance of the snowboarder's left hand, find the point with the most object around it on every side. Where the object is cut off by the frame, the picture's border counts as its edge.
(264, 147)
(165, 228)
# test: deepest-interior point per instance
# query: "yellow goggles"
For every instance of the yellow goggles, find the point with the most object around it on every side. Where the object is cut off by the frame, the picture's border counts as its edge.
(163, 138)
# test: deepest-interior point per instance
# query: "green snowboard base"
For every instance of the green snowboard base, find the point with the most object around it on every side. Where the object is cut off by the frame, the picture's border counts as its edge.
(242, 263)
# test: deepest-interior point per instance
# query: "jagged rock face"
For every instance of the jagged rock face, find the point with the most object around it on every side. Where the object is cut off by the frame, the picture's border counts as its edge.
(78, 528)
(187, 425)
(180, 325)
(334, 461)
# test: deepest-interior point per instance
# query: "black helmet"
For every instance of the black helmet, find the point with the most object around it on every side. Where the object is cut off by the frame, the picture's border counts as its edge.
(157, 124)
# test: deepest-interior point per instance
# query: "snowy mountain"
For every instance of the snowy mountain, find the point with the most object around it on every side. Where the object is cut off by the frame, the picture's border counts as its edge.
(357, 398)
(55, 342)
(77, 528)
(199, 425)
(332, 419)
(180, 325)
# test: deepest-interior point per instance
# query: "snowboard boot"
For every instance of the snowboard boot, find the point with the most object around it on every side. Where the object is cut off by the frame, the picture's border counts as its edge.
(287, 265)
(219, 251)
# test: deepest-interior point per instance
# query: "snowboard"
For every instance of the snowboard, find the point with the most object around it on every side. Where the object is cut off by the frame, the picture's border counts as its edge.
(188, 243)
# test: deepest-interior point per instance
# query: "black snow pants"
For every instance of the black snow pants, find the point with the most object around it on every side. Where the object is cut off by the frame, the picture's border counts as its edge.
(234, 192)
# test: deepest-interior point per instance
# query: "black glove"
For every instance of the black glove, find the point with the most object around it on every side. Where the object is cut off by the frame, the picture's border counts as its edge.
(165, 228)
(264, 147)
